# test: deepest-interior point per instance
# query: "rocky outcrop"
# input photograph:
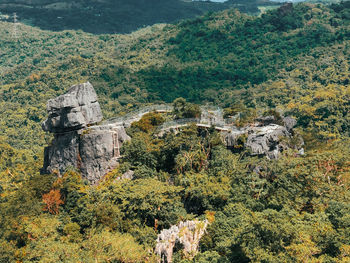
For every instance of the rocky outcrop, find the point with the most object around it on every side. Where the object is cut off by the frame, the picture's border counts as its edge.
(99, 149)
(289, 123)
(187, 233)
(265, 139)
(93, 150)
(74, 110)
(62, 153)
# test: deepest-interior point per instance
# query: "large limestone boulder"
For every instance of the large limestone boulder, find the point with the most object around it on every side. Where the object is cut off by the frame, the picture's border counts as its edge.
(231, 138)
(62, 153)
(92, 150)
(73, 110)
(188, 234)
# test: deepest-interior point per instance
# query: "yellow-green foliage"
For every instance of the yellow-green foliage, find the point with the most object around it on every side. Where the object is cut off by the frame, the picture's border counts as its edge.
(148, 122)
(292, 209)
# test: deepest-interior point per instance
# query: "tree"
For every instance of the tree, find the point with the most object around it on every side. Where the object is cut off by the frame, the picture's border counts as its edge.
(185, 110)
(138, 153)
(52, 201)
(148, 122)
(113, 247)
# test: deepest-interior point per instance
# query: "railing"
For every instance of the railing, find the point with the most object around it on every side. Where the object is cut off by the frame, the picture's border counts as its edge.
(210, 108)
(183, 122)
(136, 115)
(212, 122)
(175, 123)
(211, 116)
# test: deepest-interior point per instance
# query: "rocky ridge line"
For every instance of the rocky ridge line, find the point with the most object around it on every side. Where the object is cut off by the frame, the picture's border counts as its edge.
(93, 150)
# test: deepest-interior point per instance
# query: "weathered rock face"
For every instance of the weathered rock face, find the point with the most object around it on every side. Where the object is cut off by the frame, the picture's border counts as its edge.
(92, 150)
(62, 153)
(269, 140)
(74, 110)
(99, 150)
(188, 233)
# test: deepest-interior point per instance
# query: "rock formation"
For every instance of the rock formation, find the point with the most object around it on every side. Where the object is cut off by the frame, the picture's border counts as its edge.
(99, 150)
(93, 150)
(74, 110)
(187, 233)
(267, 140)
(265, 137)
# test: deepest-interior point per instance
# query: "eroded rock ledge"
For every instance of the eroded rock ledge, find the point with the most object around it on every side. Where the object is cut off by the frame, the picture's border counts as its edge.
(188, 233)
(78, 142)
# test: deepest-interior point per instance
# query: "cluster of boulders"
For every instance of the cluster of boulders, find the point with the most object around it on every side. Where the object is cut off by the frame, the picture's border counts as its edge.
(78, 142)
(265, 137)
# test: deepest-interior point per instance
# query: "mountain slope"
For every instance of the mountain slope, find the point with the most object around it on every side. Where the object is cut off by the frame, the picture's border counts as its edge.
(225, 58)
(114, 16)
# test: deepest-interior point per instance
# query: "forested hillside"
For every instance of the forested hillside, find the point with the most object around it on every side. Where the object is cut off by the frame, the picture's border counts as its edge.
(225, 58)
(115, 16)
(293, 60)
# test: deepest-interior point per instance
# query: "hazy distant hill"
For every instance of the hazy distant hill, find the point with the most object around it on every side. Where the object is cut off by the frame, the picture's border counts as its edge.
(114, 16)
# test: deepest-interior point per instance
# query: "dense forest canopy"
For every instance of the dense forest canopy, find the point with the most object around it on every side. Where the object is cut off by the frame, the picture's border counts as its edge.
(293, 60)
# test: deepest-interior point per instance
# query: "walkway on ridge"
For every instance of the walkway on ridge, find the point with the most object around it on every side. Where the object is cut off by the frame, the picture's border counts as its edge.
(203, 122)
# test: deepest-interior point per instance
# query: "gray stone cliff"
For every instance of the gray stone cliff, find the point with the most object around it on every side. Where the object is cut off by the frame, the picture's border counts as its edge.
(92, 149)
